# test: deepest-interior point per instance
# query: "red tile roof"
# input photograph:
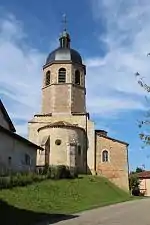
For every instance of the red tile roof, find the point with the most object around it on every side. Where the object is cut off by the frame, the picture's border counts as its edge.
(144, 174)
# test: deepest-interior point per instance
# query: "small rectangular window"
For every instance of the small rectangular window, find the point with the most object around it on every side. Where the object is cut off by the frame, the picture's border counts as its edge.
(27, 159)
(9, 160)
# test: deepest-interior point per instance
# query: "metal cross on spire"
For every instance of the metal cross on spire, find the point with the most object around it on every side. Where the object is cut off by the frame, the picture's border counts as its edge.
(64, 21)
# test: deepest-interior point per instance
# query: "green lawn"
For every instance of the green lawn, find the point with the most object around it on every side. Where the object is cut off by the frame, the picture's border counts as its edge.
(49, 198)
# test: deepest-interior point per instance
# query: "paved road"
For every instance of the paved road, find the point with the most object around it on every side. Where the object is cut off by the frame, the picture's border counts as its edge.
(129, 213)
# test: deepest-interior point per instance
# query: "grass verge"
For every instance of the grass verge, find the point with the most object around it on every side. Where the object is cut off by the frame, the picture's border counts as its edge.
(58, 198)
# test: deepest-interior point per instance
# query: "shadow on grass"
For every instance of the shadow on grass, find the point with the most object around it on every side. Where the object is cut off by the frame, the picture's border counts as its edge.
(10, 215)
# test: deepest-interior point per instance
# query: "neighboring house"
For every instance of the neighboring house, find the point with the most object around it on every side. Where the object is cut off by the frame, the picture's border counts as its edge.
(16, 152)
(64, 128)
(144, 182)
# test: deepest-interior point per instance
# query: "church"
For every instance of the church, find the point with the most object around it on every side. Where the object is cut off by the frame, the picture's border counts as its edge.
(64, 129)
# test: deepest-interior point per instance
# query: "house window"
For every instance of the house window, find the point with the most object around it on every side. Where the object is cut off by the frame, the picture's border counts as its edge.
(79, 149)
(47, 79)
(62, 75)
(9, 160)
(77, 77)
(105, 157)
(27, 159)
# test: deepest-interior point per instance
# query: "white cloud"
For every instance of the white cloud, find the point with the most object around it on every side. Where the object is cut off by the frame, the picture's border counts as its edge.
(127, 39)
(20, 72)
(111, 85)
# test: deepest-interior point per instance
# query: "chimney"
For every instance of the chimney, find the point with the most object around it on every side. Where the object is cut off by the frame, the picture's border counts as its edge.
(102, 133)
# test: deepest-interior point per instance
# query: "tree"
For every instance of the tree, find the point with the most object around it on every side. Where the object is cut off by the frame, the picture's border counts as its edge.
(144, 124)
(138, 170)
(134, 183)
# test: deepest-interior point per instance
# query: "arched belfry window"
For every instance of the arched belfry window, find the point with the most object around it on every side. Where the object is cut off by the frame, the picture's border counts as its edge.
(48, 78)
(62, 75)
(77, 77)
(105, 156)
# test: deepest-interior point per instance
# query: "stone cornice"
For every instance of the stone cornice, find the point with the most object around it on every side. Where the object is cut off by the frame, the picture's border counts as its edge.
(65, 62)
(72, 84)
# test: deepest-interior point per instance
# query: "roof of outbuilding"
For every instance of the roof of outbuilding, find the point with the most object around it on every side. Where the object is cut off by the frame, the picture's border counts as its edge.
(6, 116)
(18, 137)
(144, 174)
(98, 132)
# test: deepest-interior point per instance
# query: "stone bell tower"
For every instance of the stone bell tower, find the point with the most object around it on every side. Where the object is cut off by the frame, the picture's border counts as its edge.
(63, 90)
(63, 127)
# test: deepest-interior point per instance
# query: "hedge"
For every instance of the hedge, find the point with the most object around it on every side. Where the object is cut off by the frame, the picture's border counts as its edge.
(19, 180)
(47, 172)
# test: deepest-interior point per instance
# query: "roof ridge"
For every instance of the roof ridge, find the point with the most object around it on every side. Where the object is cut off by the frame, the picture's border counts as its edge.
(7, 117)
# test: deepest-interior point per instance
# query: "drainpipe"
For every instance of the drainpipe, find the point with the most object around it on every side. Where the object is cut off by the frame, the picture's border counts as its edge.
(86, 143)
(95, 154)
(145, 187)
(128, 167)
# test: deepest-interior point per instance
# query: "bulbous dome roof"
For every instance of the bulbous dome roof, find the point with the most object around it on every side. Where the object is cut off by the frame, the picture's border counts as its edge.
(64, 52)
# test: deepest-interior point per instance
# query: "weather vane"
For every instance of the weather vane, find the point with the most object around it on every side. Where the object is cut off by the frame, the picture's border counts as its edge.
(64, 21)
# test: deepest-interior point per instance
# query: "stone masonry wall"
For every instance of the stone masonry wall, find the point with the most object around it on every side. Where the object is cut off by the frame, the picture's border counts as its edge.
(56, 97)
(78, 99)
(64, 97)
(116, 169)
(40, 121)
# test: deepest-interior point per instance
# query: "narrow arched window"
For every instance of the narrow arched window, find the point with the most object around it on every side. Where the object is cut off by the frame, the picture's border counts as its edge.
(77, 77)
(62, 75)
(105, 156)
(48, 77)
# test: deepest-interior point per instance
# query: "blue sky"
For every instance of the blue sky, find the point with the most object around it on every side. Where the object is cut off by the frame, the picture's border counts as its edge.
(113, 38)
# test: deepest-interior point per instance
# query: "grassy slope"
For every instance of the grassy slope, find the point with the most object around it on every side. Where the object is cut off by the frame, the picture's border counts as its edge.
(65, 196)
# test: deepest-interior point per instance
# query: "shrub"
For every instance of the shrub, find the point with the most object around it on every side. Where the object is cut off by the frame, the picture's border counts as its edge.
(136, 191)
(39, 170)
(53, 172)
(25, 178)
(20, 179)
(14, 181)
(5, 182)
(134, 183)
(59, 172)
(45, 169)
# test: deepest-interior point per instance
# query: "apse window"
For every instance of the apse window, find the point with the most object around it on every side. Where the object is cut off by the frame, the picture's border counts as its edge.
(48, 76)
(62, 75)
(79, 149)
(105, 156)
(58, 142)
(77, 77)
